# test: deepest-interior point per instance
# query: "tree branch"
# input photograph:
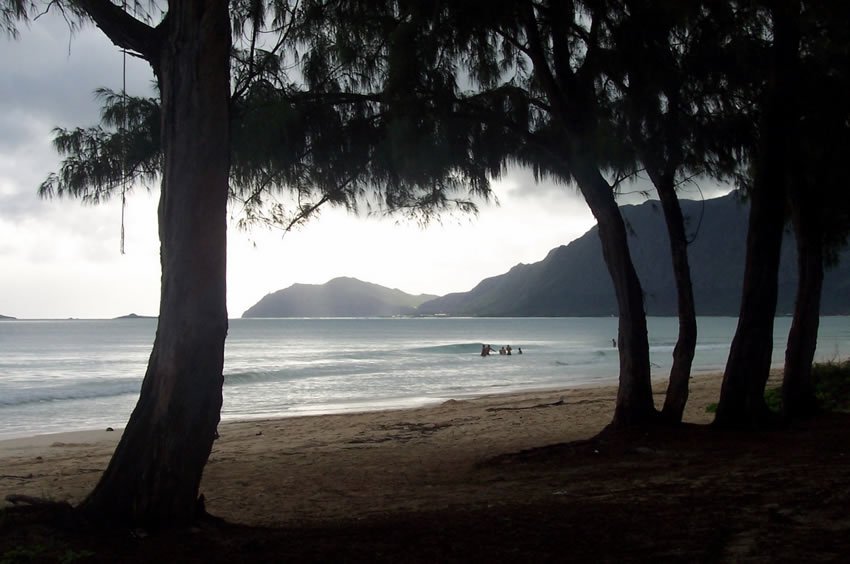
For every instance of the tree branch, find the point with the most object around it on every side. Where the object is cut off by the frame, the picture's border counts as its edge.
(540, 62)
(122, 29)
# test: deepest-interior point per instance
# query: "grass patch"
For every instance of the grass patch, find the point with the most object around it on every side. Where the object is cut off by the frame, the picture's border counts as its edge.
(832, 388)
(832, 385)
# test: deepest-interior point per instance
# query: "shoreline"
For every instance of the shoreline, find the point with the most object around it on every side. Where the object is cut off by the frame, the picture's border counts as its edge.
(346, 466)
(89, 435)
(102, 435)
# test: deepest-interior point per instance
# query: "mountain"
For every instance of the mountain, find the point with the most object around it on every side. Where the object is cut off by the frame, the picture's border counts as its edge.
(4, 317)
(340, 297)
(573, 281)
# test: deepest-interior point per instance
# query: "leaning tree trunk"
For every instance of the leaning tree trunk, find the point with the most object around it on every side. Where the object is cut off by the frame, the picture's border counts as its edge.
(154, 476)
(798, 391)
(634, 395)
(574, 106)
(683, 353)
(748, 367)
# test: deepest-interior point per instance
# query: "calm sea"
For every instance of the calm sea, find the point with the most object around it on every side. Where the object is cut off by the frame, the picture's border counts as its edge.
(86, 374)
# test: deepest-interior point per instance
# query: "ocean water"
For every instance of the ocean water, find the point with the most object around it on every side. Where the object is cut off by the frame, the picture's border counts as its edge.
(85, 374)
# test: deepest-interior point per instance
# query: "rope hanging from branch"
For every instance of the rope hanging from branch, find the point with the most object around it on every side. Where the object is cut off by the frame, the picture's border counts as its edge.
(123, 139)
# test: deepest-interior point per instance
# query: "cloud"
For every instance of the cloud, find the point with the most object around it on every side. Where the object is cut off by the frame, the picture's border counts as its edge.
(49, 77)
(49, 72)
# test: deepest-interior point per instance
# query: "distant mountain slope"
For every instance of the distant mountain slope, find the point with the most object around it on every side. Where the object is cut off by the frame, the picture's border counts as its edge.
(6, 317)
(340, 297)
(573, 281)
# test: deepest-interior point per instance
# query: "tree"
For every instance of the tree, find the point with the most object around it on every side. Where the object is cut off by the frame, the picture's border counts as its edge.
(540, 78)
(820, 207)
(653, 85)
(747, 369)
(668, 65)
(560, 53)
(338, 147)
(153, 477)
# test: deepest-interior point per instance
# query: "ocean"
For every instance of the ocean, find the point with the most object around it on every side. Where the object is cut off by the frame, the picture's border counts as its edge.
(85, 374)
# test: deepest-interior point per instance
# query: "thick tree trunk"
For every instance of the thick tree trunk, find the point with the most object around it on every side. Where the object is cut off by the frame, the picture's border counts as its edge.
(634, 396)
(683, 353)
(798, 391)
(154, 476)
(748, 367)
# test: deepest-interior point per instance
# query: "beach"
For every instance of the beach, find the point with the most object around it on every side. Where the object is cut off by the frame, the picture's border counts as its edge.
(519, 477)
(326, 467)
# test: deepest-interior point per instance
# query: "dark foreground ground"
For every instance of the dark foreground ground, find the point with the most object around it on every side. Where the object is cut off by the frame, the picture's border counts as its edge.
(690, 495)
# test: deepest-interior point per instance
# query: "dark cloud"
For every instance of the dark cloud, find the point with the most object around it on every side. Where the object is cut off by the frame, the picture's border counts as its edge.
(50, 75)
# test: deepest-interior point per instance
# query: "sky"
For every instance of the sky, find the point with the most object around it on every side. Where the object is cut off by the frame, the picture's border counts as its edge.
(60, 258)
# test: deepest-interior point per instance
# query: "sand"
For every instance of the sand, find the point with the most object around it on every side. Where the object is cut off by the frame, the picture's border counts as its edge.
(326, 467)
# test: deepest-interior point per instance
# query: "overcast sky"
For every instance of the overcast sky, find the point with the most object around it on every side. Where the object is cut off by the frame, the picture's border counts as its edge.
(61, 259)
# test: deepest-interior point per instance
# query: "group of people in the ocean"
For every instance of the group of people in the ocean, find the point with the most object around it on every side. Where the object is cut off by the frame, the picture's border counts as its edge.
(504, 350)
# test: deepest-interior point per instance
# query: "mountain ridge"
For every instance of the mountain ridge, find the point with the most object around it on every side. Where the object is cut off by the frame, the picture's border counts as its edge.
(339, 297)
(572, 280)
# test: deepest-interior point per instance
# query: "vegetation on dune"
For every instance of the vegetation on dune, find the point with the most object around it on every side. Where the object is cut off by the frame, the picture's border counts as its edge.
(831, 381)
(832, 385)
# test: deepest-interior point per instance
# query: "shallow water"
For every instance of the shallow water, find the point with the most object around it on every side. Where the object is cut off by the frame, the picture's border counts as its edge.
(85, 374)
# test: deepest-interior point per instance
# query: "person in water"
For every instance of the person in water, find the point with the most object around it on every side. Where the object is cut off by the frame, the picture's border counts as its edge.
(519, 350)
(508, 350)
(485, 350)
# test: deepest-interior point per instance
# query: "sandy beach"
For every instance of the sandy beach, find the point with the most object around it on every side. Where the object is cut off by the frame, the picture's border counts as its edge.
(326, 467)
(504, 478)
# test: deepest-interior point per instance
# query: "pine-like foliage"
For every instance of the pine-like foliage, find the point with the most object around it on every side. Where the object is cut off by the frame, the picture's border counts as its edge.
(111, 158)
(12, 12)
(326, 110)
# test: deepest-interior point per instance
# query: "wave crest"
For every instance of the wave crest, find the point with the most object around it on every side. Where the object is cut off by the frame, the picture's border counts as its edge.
(76, 391)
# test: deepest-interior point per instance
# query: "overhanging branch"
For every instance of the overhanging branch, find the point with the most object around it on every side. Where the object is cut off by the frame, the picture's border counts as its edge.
(122, 29)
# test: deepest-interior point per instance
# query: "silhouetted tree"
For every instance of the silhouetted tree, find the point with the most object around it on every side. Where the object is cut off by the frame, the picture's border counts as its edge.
(653, 87)
(670, 66)
(535, 71)
(819, 201)
(748, 367)
(153, 477)
(334, 150)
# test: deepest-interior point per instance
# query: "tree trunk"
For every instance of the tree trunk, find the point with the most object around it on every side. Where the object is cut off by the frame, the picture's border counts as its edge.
(748, 367)
(683, 353)
(634, 396)
(153, 478)
(798, 391)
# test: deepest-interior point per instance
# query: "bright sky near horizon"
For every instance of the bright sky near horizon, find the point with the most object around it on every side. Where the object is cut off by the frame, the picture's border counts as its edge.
(61, 259)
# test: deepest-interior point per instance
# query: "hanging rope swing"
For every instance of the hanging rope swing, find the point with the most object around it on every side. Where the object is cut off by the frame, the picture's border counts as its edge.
(123, 146)
(123, 139)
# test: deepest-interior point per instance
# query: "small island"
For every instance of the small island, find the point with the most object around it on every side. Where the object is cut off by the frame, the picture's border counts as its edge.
(136, 316)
